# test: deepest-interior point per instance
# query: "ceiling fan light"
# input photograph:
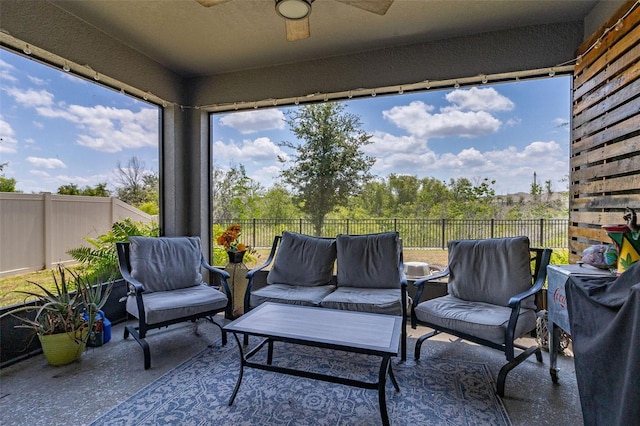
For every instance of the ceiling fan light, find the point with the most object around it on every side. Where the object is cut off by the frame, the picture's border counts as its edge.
(293, 9)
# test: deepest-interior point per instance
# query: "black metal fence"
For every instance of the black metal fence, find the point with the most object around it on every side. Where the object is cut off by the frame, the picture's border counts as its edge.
(415, 233)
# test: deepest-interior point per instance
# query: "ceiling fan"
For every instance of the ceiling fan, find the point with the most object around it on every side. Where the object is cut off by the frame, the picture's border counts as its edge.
(296, 12)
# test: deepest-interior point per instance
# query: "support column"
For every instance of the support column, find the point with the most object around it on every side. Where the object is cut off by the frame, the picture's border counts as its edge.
(185, 177)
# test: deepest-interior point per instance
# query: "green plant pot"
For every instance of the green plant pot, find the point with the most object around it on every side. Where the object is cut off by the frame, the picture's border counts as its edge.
(62, 348)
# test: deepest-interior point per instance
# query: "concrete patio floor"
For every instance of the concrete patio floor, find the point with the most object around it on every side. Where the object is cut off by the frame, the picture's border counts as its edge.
(34, 393)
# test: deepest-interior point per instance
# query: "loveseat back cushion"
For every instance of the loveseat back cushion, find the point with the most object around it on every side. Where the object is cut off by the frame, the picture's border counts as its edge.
(303, 260)
(371, 261)
(165, 263)
(491, 270)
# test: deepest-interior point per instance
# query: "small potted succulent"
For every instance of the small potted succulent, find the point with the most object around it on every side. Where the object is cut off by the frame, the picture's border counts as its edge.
(65, 316)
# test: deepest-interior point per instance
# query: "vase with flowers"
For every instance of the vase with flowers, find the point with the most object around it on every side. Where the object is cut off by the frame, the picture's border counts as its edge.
(230, 240)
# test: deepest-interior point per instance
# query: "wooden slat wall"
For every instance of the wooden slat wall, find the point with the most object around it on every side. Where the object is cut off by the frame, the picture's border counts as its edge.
(605, 142)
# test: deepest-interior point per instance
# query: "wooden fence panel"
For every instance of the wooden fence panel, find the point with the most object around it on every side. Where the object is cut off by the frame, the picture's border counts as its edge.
(605, 142)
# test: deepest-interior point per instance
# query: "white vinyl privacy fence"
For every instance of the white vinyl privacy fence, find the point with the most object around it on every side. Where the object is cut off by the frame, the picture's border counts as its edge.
(36, 230)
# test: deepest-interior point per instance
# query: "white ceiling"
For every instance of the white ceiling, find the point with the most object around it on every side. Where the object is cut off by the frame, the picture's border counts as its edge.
(193, 40)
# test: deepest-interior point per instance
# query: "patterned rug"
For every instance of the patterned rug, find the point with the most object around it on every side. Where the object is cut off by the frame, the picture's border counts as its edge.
(432, 392)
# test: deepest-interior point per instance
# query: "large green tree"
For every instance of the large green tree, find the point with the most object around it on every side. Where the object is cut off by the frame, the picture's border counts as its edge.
(234, 194)
(328, 165)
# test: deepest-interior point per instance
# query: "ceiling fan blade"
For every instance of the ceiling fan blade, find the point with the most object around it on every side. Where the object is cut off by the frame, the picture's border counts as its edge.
(209, 3)
(297, 29)
(376, 6)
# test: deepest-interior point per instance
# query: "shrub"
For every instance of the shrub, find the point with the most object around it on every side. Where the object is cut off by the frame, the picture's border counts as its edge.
(100, 261)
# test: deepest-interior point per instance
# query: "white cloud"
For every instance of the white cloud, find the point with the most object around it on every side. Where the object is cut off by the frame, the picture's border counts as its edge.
(561, 122)
(109, 129)
(30, 97)
(480, 99)
(384, 143)
(40, 173)
(250, 151)
(6, 70)
(36, 80)
(102, 128)
(8, 143)
(511, 167)
(47, 163)
(416, 119)
(247, 122)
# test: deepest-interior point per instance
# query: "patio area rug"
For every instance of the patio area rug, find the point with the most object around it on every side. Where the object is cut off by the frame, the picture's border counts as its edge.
(432, 392)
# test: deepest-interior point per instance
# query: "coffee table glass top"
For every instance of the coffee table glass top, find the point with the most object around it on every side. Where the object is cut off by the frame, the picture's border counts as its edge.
(354, 330)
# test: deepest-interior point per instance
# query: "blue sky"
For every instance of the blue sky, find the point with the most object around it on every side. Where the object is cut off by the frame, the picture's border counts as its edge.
(58, 129)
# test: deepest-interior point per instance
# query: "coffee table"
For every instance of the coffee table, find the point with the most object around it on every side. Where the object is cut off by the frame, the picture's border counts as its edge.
(355, 332)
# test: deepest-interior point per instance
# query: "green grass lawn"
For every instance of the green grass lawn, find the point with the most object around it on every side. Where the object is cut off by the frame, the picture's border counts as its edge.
(20, 282)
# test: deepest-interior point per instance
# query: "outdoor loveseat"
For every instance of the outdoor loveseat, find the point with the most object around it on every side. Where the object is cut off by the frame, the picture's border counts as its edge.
(369, 275)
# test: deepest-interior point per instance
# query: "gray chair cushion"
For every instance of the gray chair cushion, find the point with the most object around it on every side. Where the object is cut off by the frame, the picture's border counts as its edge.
(290, 294)
(478, 319)
(375, 300)
(490, 271)
(369, 261)
(168, 305)
(165, 263)
(303, 260)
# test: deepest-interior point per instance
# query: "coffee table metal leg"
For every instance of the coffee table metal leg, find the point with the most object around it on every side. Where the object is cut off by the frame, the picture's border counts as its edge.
(393, 378)
(382, 381)
(242, 362)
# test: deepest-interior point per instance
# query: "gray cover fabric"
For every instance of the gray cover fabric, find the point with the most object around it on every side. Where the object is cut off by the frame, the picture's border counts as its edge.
(165, 263)
(491, 270)
(478, 319)
(290, 294)
(168, 305)
(303, 260)
(369, 261)
(375, 300)
(604, 316)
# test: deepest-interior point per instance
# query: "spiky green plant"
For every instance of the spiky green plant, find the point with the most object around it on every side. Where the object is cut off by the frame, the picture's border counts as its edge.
(71, 307)
(100, 261)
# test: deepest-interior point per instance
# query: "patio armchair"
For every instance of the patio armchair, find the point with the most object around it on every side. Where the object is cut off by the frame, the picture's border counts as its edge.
(491, 297)
(165, 285)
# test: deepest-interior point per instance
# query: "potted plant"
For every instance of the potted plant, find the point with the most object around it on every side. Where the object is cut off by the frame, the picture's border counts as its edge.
(65, 316)
(229, 239)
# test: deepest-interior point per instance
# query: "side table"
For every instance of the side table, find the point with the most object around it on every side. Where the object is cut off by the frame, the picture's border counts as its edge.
(557, 276)
(238, 284)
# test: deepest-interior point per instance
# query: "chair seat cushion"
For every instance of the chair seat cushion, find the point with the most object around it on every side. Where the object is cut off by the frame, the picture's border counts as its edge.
(169, 305)
(375, 300)
(479, 319)
(290, 294)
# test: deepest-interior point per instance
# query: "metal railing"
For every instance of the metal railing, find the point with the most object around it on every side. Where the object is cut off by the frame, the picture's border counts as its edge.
(415, 233)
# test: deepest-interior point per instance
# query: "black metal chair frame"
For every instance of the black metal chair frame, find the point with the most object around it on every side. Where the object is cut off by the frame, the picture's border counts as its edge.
(135, 287)
(540, 258)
